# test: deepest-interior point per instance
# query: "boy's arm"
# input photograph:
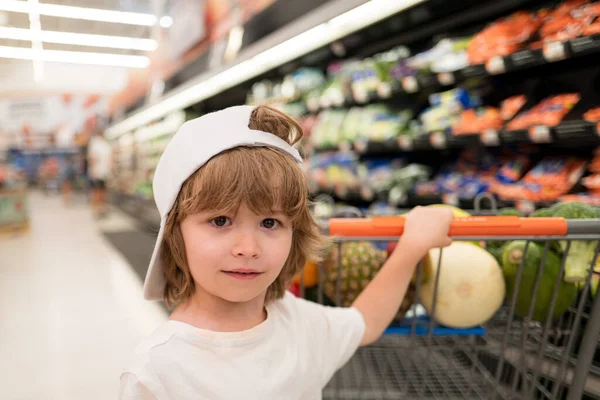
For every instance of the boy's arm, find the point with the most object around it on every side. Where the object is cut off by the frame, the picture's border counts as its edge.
(380, 300)
(425, 228)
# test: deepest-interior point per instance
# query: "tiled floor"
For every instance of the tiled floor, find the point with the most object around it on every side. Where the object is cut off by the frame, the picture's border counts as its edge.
(71, 307)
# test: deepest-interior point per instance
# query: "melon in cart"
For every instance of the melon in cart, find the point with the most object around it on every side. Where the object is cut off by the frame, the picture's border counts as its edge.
(471, 285)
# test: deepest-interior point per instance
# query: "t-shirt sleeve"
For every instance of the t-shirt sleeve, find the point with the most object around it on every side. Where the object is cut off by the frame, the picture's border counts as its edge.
(132, 389)
(336, 333)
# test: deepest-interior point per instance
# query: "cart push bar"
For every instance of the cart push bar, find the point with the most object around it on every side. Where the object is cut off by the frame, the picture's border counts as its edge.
(469, 227)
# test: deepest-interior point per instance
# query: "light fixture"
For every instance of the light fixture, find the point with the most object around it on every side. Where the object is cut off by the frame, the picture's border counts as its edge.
(35, 28)
(166, 21)
(73, 57)
(90, 14)
(114, 42)
(209, 84)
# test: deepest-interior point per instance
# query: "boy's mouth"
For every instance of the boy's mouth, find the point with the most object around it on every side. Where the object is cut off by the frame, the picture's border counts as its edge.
(243, 274)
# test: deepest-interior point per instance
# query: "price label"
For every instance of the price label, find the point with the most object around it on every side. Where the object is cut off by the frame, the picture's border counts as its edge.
(446, 78)
(495, 65)
(540, 134)
(438, 140)
(554, 51)
(410, 84)
(450, 199)
(384, 90)
(360, 145)
(490, 137)
(405, 142)
(525, 206)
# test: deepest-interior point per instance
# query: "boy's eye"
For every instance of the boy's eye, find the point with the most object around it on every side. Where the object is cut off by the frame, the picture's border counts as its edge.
(220, 221)
(270, 223)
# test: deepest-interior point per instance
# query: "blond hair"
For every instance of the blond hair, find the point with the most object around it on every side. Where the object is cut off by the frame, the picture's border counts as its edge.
(262, 178)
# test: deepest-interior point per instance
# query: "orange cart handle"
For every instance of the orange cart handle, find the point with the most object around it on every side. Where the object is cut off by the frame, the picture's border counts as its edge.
(467, 227)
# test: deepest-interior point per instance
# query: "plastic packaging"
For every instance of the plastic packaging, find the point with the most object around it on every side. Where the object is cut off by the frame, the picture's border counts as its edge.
(549, 112)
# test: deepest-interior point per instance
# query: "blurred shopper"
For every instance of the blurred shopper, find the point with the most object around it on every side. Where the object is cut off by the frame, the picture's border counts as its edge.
(99, 161)
(68, 179)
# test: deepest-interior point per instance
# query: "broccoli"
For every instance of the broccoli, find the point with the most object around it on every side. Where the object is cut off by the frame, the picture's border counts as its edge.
(542, 213)
(509, 212)
(581, 252)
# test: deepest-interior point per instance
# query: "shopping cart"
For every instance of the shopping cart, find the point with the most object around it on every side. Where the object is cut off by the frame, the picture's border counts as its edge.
(507, 358)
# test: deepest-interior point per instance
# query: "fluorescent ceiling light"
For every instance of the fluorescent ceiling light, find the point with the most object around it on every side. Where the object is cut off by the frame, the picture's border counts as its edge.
(72, 57)
(307, 41)
(90, 14)
(166, 21)
(114, 42)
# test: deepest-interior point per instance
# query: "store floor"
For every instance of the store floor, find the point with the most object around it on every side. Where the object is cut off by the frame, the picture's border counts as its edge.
(71, 306)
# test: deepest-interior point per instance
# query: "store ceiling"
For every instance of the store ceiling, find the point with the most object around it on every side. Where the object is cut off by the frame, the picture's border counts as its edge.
(18, 81)
(57, 24)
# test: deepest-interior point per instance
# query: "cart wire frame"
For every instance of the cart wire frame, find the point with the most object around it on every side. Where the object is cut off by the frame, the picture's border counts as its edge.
(508, 358)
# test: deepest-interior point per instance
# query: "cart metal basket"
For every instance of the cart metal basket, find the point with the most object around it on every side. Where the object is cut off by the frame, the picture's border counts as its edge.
(508, 357)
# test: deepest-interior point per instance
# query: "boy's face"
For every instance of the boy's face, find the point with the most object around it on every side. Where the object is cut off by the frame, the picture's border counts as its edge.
(236, 257)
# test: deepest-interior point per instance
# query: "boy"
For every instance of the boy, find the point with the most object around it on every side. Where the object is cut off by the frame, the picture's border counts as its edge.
(235, 229)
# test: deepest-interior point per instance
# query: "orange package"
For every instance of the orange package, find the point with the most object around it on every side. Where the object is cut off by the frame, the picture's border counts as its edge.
(593, 29)
(549, 112)
(476, 121)
(592, 115)
(511, 106)
(595, 164)
(502, 37)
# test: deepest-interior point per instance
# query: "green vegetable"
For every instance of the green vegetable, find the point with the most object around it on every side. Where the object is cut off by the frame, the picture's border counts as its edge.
(581, 252)
(509, 212)
(542, 213)
(512, 257)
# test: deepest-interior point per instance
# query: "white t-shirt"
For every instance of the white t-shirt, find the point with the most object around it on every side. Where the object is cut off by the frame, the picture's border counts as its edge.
(99, 152)
(292, 355)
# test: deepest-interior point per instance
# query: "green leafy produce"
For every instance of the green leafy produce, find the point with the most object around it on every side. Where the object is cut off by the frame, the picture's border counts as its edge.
(512, 257)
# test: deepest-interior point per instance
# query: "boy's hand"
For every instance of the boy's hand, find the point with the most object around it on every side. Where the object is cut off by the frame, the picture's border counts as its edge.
(427, 228)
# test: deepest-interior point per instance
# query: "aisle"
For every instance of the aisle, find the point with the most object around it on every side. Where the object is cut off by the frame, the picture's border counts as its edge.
(71, 307)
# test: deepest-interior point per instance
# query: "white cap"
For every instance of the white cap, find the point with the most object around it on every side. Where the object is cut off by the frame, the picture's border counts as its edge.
(196, 142)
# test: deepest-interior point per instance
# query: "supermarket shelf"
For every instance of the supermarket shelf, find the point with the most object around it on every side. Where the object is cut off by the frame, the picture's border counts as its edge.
(519, 61)
(567, 134)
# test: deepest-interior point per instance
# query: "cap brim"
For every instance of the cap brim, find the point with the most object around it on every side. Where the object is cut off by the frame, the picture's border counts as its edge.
(154, 285)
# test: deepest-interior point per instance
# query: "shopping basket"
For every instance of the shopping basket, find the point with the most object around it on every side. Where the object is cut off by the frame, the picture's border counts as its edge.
(509, 357)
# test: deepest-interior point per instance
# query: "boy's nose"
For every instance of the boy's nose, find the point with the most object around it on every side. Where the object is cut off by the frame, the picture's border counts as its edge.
(246, 246)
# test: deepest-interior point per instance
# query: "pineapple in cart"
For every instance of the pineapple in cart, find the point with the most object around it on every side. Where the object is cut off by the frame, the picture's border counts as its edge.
(360, 262)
